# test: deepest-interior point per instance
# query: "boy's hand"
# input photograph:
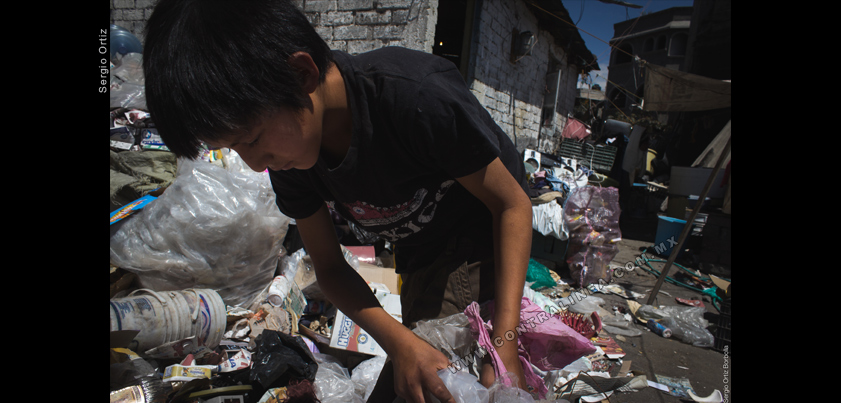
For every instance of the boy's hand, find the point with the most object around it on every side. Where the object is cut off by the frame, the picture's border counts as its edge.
(416, 365)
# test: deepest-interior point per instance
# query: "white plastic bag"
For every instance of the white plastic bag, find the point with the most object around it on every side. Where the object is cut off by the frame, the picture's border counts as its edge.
(548, 219)
(212, 228)
(365, 376)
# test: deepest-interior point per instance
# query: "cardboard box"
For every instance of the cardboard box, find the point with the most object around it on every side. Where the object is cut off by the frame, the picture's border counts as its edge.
(349, 336)
(380, 275)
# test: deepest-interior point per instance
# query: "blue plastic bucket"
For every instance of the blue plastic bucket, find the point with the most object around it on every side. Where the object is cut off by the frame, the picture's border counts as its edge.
(668, 234)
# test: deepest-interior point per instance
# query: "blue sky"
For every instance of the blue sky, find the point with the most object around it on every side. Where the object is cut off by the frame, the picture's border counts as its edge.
(597, 18)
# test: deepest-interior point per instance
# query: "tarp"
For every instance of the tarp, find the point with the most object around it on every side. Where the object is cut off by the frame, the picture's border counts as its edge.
(669, 90)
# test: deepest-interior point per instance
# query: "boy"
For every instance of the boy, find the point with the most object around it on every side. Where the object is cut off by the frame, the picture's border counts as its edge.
(391, 139)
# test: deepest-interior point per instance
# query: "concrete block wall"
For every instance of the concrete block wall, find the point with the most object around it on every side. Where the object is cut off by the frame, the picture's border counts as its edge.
(132, 15)
(354, 26)
(358, 26)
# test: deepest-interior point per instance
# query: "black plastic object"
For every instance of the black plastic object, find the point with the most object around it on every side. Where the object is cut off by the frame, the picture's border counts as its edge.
(280, 358)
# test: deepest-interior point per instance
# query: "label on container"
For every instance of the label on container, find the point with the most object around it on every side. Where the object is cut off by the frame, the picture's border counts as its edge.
(174, 373)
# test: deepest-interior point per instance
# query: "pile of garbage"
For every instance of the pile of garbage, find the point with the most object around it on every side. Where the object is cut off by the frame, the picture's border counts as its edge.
(208, 305)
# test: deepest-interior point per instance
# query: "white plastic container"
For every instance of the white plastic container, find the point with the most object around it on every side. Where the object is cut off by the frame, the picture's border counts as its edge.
(166, 316)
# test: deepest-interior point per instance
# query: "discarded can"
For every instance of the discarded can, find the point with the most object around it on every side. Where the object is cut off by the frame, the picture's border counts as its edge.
(659, 329)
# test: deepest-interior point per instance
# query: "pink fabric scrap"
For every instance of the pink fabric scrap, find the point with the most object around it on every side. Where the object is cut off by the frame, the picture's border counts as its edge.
(576, 130)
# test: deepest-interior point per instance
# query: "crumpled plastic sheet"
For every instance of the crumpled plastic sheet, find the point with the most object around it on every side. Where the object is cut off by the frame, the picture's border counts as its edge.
(212, 228)
(591, 387)
(592, 217)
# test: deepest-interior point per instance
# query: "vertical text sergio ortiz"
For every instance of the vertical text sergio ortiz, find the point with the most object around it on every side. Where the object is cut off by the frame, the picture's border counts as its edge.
(103, 61)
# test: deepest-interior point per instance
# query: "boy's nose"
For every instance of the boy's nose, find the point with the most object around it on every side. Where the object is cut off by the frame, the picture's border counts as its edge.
(252, 159)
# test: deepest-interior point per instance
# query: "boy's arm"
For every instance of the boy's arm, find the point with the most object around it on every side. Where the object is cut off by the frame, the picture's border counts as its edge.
(512, 229)
(415, 362)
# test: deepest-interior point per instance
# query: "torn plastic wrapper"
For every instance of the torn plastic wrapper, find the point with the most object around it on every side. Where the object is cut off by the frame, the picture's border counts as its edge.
(240, 360)
(590, 387)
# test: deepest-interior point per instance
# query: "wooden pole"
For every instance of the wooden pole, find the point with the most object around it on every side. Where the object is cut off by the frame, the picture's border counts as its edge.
(688, 226)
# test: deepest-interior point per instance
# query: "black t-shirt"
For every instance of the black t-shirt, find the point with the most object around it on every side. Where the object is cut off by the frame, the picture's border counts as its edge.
(416, 127)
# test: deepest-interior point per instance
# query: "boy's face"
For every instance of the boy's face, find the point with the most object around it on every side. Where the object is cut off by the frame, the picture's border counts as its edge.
(282, 140)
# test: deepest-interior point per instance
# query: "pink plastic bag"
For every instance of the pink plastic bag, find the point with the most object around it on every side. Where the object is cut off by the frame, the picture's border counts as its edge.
(544, 340)
(482, 333)
(551, 344)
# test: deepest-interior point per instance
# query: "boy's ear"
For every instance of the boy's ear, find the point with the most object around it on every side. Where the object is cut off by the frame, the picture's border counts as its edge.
(307, 70)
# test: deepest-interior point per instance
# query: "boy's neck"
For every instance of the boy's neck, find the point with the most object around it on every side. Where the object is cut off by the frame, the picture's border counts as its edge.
(336, 118)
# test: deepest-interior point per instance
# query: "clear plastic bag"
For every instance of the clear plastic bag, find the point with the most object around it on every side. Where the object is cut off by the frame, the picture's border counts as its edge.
(592, 217)
(688, 325)
(212, 228)
(365, 376)
(332, 382)
(127, 83)
(464, 387)
(452, 336)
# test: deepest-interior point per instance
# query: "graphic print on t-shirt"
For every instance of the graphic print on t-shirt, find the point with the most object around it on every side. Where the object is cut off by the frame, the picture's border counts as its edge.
(393, 222)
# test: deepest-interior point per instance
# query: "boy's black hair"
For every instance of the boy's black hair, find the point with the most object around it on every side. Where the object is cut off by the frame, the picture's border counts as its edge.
(213, 66)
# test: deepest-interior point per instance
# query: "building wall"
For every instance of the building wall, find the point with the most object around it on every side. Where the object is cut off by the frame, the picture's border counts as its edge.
(513, 93)
(653, 38)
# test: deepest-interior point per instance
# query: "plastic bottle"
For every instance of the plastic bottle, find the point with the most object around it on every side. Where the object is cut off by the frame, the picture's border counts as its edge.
(659, 329)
